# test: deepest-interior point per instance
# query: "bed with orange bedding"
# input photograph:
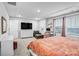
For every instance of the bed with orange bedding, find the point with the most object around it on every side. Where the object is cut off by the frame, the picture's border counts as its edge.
(55, 46)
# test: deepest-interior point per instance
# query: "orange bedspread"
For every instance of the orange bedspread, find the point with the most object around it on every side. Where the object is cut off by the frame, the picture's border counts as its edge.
(55, 46)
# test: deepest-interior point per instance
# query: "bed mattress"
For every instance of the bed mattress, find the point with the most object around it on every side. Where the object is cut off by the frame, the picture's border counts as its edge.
(55, 46)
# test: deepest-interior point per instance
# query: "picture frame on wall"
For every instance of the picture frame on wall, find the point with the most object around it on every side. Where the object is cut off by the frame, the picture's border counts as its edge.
(3, 25)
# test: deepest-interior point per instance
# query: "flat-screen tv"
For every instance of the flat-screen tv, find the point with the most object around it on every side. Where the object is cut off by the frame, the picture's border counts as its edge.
(26, 25)
(47, 29)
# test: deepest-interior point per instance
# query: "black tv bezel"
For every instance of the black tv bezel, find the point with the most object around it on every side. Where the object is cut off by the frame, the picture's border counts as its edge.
(26, 28)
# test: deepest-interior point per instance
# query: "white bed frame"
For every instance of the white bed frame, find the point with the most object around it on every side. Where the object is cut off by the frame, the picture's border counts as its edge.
(32, 53)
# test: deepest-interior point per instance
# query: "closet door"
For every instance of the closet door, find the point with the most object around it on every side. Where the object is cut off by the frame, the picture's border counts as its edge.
(58, 26)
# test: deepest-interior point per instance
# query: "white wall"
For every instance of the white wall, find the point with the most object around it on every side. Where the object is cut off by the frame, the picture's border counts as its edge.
(42, 26)
(6, 46)
(15, 27)
(29, 33)
(34, 23)
(49, 24)
(4, 13)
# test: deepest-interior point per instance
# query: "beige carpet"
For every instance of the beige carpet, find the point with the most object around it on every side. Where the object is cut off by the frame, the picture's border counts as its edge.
(21, 49)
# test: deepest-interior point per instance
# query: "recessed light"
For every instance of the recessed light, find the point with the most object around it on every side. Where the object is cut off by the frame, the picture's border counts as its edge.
(19, 15)
(38, 10)
(37, 18)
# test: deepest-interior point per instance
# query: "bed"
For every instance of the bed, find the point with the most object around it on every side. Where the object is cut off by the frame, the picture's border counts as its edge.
(54, 46)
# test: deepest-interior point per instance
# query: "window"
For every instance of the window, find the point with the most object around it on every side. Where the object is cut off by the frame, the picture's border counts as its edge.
(58, 26)
(72, 25)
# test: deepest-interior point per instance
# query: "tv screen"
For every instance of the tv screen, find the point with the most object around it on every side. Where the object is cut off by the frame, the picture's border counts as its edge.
(26, 25)
(47, 29)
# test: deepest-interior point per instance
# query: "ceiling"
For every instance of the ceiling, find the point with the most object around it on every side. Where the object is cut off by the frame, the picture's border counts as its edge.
(29, 9)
